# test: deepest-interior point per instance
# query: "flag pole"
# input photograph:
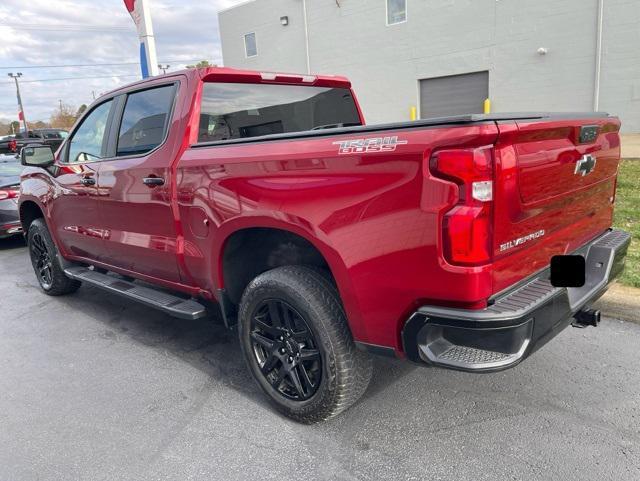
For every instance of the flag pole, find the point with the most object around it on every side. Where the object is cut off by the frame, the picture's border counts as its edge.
(141, 14)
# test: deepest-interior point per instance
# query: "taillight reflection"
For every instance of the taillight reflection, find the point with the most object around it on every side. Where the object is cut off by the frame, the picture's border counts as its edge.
(11, 193)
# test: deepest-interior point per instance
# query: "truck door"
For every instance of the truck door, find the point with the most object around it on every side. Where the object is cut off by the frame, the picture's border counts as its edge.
(74, 208)
(135, 185)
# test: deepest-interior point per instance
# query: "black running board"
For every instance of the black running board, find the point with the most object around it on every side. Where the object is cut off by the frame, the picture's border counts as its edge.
(163, 301)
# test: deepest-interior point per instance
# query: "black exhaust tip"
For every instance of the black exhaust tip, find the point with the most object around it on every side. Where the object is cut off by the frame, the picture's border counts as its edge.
(587, 317)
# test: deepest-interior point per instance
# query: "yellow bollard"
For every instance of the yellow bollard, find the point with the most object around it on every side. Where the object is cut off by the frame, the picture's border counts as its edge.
(413, 113)
(487, 106)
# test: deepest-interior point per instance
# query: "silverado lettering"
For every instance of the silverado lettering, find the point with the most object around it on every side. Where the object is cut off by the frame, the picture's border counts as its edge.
(521, 240)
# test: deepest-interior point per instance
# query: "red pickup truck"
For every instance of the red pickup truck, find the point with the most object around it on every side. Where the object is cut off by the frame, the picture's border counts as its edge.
(324, 240)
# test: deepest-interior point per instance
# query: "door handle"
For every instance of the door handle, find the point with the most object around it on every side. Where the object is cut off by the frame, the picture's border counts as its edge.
(153, 181)
(88, 181)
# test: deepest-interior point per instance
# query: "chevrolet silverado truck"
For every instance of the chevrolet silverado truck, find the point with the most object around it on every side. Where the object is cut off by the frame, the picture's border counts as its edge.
(324, 240)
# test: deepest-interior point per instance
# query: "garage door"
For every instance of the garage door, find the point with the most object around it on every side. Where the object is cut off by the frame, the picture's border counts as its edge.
(453, 95)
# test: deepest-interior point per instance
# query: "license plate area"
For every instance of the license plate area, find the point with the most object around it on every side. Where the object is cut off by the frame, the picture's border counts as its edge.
(568, 271)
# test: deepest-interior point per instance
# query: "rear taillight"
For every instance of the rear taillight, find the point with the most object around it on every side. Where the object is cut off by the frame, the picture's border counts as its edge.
(13, 146)
(9, 192)
(467, 226)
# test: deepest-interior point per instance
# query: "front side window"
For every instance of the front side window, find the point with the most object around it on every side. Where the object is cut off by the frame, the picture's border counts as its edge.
(88, 142)
(236, 110)
(250, 45)
(396, 11)
(145, 120)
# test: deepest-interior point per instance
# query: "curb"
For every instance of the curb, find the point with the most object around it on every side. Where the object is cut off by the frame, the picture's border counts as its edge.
(620, 302)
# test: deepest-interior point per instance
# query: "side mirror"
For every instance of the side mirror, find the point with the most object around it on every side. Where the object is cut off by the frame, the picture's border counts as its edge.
(37, 156)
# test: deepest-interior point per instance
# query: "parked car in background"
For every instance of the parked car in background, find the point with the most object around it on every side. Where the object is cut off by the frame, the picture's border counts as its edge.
(429, 240)
(10, 169)
(51, 137)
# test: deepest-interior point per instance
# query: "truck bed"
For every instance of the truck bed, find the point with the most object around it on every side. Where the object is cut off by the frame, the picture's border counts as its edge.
(416, 124)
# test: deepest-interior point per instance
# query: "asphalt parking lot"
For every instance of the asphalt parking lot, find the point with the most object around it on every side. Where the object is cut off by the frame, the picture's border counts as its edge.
(93, 387)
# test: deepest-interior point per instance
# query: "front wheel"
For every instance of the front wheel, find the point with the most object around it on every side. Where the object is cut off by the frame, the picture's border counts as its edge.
(45, 260)
(297, 344)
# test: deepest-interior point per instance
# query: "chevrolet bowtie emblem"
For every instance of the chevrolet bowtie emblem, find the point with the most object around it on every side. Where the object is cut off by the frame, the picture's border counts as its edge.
(585, 165)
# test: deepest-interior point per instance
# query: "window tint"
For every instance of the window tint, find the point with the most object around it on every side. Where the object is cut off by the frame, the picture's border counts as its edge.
(144, 121)
(232, 111)
(87, 143)
(250, 45)
(396, 11)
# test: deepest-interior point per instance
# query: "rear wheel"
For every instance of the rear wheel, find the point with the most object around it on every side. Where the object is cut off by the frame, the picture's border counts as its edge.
(45, 260)
(297, 344)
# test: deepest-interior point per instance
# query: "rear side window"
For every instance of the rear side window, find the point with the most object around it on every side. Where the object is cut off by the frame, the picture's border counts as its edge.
(234, 111)
(145, 120)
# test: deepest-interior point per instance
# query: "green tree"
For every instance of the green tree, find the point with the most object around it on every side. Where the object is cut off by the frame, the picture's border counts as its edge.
(201, 64)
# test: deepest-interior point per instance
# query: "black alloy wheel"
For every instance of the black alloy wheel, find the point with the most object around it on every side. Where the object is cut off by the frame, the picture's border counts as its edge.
(295, 338)
(286, 350)
(41, 260)
(46, 261)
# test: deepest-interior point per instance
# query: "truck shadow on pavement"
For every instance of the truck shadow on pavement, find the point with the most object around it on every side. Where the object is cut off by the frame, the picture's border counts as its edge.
(11, 243)
(205, 344)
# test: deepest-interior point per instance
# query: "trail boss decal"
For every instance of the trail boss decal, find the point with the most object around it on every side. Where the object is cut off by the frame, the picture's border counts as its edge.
(521, 240)
(376, 144)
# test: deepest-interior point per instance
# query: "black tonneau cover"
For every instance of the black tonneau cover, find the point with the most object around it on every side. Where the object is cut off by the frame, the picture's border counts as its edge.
(414, 124)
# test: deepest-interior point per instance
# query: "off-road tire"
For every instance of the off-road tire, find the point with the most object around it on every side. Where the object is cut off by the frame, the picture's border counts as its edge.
(346, 371)
(59, 284)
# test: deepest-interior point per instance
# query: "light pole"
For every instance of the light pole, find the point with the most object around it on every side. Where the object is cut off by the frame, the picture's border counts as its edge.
(164, 68)
(24, 118)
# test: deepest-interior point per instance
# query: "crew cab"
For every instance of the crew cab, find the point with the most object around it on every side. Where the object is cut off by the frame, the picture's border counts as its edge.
(324, 240)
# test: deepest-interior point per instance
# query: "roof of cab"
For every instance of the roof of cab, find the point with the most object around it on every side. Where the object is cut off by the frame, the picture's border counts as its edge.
(232, 75)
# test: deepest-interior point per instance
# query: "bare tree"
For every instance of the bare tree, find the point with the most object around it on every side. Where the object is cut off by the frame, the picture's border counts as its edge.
(64, 116)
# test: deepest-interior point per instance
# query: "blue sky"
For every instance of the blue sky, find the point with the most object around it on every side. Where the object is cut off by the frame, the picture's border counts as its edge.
(57, 32)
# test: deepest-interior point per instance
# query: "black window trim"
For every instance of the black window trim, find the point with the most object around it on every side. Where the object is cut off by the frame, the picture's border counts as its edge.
(116, 122)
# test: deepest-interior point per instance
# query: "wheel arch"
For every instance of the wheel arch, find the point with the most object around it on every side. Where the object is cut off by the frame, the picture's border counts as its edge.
(273, 243)
(29, 211)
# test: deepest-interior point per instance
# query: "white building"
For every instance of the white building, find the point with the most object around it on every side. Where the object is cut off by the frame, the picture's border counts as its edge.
(448, 56)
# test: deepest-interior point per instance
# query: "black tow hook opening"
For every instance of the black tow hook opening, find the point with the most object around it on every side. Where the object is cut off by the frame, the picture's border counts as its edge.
(586, 317)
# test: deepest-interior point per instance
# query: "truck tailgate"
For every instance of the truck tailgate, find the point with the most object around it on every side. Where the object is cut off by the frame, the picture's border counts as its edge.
(554, 190)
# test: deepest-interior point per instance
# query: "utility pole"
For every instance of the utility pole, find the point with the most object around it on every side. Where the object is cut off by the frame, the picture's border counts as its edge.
(22, 116)
(60, 101)
(164, 68)
(93, 92)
